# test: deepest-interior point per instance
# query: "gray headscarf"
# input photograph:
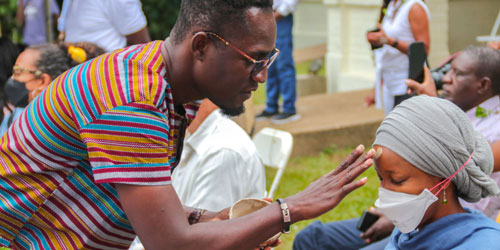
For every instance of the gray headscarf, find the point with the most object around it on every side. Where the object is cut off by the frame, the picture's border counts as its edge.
(437, 137)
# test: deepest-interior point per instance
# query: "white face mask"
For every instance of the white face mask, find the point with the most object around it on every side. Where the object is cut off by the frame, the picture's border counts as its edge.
(404, 210)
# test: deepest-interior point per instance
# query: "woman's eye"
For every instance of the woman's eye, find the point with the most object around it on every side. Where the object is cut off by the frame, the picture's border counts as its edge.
(398, 182)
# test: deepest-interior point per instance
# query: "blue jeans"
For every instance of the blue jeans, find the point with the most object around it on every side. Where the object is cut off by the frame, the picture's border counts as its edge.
(281, 75)
(339, 235)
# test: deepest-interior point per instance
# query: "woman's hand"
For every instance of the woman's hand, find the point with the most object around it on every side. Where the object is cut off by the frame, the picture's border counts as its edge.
(377, 38)
(326, 193)
(370, 98)
(380, 229)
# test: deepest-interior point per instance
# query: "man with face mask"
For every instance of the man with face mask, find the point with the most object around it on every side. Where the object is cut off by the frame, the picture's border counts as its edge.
(473, 85)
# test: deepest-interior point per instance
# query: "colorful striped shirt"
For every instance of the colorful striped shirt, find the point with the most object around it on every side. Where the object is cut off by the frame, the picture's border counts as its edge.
(109, 120)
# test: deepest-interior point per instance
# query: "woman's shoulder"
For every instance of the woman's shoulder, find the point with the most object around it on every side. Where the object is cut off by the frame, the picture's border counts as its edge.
(482, 238)
(483, 230)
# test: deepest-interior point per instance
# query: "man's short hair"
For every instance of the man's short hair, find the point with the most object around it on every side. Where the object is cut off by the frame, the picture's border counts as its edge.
(487, 64)
(213, 15)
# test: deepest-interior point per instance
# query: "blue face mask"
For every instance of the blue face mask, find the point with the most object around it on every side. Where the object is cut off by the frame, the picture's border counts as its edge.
(16, 93)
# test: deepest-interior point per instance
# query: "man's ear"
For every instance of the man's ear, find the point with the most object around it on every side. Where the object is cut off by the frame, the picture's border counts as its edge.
(199, 45)
(485, 86)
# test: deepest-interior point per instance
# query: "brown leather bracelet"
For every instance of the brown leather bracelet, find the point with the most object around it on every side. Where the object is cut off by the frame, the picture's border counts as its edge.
(195, 216)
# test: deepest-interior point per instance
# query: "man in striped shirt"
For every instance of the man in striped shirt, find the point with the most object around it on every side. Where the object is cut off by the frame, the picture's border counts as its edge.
(87, 165)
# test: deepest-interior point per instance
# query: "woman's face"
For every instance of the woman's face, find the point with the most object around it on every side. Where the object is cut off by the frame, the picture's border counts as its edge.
(398, 175)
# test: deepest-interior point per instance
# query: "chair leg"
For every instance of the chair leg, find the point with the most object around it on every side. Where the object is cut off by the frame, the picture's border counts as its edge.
(276, 182)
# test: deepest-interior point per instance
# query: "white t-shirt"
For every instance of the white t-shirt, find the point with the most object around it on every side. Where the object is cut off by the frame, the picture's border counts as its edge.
(219, 166)
(103, 22)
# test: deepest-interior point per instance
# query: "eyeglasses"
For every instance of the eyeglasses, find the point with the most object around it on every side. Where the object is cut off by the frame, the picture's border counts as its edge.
(18, 70)
(259, 65)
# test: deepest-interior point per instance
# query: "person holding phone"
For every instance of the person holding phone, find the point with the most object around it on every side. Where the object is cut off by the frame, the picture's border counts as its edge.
(405, 22)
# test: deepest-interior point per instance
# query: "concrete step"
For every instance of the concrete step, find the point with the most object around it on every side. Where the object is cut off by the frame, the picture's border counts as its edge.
(338, 120)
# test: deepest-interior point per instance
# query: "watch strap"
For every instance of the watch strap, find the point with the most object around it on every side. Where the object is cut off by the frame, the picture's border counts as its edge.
(286, 215)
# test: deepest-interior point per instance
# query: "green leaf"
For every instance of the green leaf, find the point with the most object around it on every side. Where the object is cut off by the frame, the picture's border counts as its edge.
(481, 112)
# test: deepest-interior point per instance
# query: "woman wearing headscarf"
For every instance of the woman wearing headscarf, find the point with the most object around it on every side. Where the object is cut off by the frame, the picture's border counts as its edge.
(428, 155)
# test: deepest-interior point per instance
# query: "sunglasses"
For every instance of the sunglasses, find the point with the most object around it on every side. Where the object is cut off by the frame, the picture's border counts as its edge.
(18, 70)
(259, 65)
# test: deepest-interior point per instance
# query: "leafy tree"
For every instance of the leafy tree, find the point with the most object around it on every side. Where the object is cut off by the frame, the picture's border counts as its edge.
(8, 20)
(161, 16)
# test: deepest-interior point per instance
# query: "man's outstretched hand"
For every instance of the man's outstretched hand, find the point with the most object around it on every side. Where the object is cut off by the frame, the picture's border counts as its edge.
(326, 193)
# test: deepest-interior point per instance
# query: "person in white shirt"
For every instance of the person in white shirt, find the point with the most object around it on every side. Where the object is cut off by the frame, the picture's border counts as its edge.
(109, 24)
(219, 163)
(404, 22)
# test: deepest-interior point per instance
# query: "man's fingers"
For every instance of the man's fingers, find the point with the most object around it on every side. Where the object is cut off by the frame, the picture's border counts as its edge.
(346, 189)
(353, 171)
(353, 156)
(427, 74)
(352, 174)
(413, 85)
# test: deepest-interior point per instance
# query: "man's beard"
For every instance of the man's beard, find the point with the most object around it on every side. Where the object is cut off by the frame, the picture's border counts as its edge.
(232, 111)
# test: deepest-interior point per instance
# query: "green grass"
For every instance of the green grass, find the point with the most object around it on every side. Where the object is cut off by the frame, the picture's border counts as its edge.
(301, 171)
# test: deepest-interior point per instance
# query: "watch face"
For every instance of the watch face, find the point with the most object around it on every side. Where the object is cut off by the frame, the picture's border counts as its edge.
(383, 40)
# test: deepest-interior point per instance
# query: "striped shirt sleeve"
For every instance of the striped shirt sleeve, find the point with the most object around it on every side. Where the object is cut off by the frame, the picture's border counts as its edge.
(129, 144)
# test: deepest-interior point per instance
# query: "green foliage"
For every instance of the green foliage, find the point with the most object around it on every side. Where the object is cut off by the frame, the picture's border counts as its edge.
(301, 171)
(161, 16)
(8, 20)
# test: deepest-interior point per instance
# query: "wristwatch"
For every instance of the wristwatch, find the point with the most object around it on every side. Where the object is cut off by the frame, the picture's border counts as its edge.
(286, 215)
(395, 43)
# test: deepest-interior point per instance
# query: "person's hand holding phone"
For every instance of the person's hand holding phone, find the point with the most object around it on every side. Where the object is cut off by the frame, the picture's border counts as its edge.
(427, 87)
(376, 37)
(380, 229)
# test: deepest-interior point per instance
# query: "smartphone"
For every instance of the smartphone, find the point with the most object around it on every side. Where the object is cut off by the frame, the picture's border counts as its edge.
(417, 57)
(366, 221)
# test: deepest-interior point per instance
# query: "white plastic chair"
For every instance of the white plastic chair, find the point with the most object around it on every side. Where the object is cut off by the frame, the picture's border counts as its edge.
(274, 148)
(493, 35)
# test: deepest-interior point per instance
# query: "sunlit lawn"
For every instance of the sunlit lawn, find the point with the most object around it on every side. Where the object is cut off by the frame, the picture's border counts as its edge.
(301, 171)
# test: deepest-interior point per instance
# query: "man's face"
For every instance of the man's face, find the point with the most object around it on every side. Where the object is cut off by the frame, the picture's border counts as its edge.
(460, 84)
(225, 76)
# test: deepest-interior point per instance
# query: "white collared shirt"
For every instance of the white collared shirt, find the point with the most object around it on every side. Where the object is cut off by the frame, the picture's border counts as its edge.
(285, 7)
(489, 127)
(219, 166)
